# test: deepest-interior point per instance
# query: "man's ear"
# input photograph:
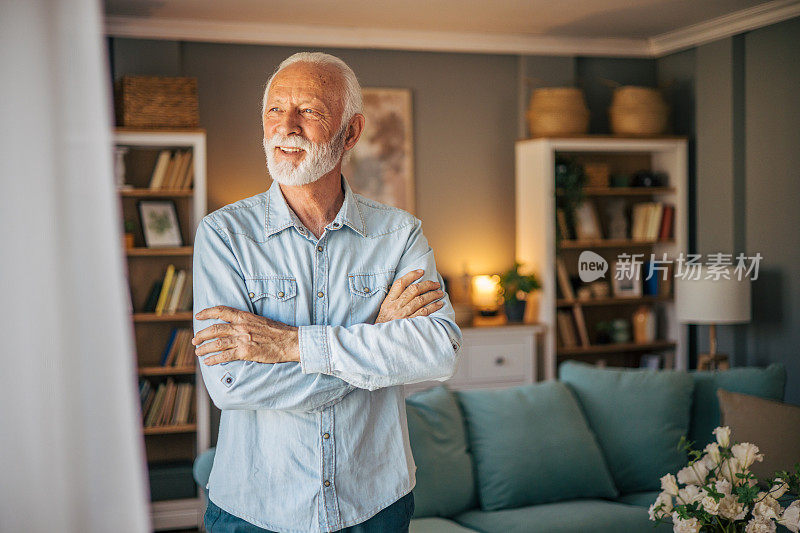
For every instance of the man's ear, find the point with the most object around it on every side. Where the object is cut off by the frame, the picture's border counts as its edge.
(354, 129)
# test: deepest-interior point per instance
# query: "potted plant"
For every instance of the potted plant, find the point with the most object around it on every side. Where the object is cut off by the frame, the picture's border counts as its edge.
(130, 228)
(515, 288)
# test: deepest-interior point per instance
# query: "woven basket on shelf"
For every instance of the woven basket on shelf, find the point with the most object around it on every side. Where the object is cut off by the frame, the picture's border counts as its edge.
(156, 102)
(557, 111)
(638, 111)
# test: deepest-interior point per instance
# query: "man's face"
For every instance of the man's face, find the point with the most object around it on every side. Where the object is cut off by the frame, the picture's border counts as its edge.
(302, 138)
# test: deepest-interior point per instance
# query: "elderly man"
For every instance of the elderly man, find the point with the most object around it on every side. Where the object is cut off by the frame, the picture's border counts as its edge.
(313, 306)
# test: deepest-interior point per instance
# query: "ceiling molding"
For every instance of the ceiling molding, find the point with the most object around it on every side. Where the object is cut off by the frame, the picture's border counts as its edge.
(440, 41)
(725, 26)
(345, 37)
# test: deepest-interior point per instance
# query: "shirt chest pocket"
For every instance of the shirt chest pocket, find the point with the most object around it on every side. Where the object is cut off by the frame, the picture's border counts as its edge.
(274, 298)
(367, 292)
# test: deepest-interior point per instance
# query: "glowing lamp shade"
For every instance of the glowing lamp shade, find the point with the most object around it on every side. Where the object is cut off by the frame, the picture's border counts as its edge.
(712, 301)
(485, 291)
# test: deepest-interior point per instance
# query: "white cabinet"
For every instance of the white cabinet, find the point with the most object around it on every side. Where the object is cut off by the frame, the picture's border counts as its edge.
(496, 356)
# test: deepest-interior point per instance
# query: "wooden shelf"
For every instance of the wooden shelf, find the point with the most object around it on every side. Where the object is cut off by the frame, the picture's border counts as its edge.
(568, 244)
(156, 193)
(166, 370)
(168, 430)
(565, 302)
(156, 252)
(623, 191)
(616, 348)
(152, 317)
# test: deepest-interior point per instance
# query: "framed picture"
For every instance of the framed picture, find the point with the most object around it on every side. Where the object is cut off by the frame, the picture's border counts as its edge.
(160, 223)
(587, 223)
(628, 284)
(381, 165)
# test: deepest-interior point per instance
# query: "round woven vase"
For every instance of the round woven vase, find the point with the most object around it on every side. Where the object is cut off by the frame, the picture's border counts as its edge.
(638, 111)
(557, 111)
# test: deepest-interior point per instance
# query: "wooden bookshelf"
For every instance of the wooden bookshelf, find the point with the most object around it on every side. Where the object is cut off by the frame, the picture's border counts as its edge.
(538, 245)
(152, 331)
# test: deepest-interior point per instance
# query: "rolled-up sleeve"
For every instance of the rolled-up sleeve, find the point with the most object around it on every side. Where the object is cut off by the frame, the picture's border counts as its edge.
(218, 280)
(408, 350)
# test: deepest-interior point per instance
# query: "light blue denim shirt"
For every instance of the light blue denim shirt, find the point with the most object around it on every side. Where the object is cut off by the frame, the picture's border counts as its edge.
(321, 444)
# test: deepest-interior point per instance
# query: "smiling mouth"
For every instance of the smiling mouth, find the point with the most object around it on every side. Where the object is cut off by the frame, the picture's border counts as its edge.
(289, 150)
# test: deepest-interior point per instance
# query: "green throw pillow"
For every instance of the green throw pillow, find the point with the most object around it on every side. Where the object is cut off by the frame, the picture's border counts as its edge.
(765, 383)
(532, 445)
(639, 417)
(445, 482)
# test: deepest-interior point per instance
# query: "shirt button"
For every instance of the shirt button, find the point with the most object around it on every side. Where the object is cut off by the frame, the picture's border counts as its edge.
(280, 294)
(320, 294)
(335, 224)
(252, 295)
(326, 483)
(319, 248)
(326, 436)
(366, 289)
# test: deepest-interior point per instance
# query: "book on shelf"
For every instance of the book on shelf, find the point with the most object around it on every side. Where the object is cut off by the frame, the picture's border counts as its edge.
(174, 169)
(171, 404)
(567, 336)
(179, 350)
(171, 294)
(580, 323)
(660, 278)
(652, 221)
(564, 282)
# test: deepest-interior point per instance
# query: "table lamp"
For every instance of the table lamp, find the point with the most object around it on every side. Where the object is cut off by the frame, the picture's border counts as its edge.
(707, 300)
(485, 294)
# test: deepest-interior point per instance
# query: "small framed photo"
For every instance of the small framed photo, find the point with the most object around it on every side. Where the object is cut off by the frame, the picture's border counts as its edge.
(160, 223)
(628, 283)
(587, 223)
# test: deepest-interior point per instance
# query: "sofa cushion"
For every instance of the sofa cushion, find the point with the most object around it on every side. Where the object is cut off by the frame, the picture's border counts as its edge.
(766, 383)
(445, 478)
(576, 516)
(436, 525)
(642, 499)
(639, 417)
(772, 426)
(532, 445)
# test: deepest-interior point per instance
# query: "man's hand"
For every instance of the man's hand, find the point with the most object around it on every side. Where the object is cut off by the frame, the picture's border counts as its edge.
(407, 299)
(246, 337)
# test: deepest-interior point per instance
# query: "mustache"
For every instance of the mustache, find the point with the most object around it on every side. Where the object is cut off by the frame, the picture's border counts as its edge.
(289, 141)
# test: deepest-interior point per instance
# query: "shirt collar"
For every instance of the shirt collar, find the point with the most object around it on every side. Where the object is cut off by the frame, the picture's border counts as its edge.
(280, 216)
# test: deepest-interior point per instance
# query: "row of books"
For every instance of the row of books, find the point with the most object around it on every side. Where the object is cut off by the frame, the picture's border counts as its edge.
(652, 221)
(179, 351)
(171, 294)
(170, 404)
(571, 334)
(174, 170)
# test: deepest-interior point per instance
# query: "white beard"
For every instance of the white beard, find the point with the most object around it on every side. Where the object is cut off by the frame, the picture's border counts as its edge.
(319, 158)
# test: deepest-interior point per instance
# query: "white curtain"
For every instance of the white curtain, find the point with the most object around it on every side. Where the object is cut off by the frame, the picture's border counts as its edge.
(71, 457)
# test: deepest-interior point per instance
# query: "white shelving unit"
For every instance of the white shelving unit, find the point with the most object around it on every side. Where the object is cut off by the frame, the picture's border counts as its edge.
(180, 513)
(536, 220)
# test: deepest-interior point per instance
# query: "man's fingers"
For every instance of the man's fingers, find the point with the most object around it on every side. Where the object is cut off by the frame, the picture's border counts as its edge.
(417, 289)
(211, 332)
(402, 282)
(216, 345)
(221, 357)
(223, 312)
(428, 309)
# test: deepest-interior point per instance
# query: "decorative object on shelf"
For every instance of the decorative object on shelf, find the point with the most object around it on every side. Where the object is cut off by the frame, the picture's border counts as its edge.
(720, 493)
(628, 283)
(712, 301)
(119, 167)
(160, 223)
(644, 324)
(587, 223)
(583, 293)
(600, 289)
(557, 111)
(515, 288)
(620, 180)
(638, 111)
(597, 173)
(649, 178)
(486, 293)
(381, 165)
(130, 232)
(620, 331)
(156, 102)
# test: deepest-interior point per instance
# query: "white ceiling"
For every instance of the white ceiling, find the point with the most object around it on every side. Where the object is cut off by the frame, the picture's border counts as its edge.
(387, 23)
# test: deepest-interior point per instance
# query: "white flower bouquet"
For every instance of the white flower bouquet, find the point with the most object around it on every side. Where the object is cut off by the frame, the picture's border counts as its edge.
(717, 492)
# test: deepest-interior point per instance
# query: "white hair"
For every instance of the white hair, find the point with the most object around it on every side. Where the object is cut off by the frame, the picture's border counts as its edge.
(352, 89)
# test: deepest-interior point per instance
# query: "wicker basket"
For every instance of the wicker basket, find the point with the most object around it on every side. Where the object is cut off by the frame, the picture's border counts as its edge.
(557, 111)
(156, 102)
(638, 111)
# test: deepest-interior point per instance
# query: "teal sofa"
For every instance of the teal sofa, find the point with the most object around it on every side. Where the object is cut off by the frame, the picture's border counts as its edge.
(584, 453)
